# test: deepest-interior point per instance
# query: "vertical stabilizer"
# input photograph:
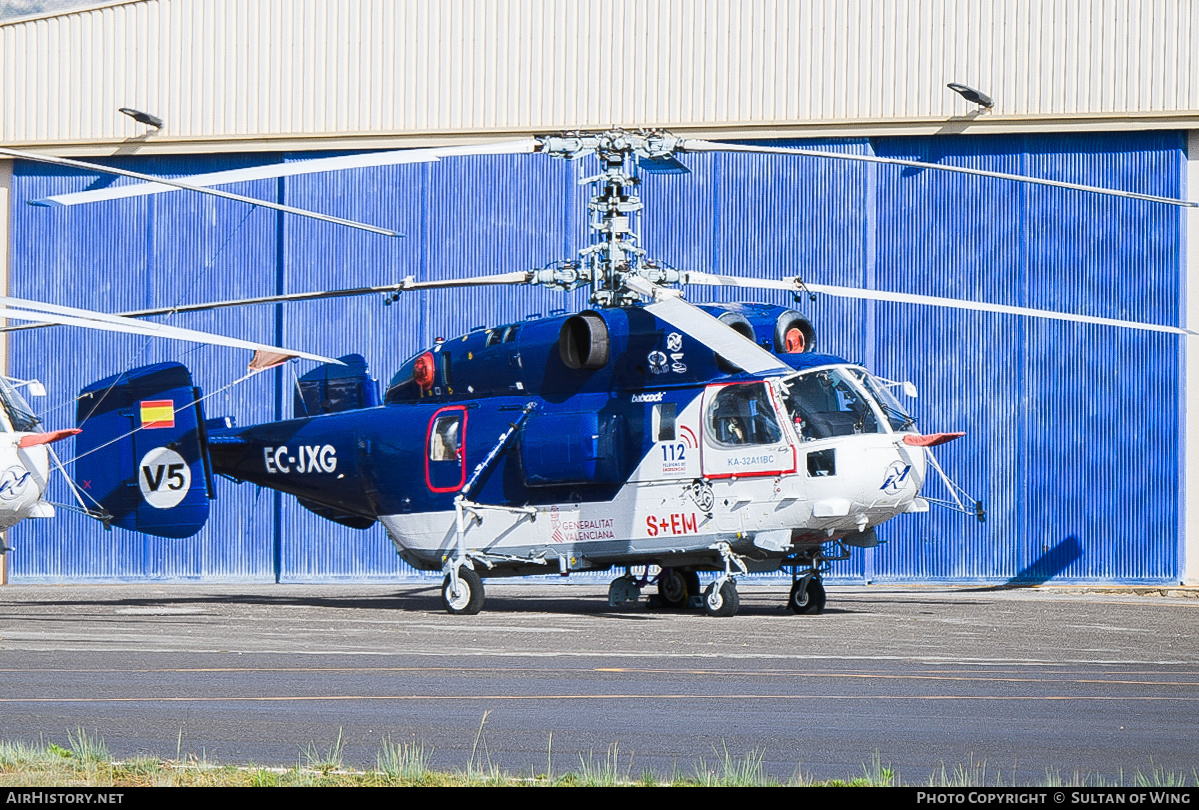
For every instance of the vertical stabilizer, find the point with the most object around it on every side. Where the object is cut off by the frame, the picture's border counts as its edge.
(142, 455)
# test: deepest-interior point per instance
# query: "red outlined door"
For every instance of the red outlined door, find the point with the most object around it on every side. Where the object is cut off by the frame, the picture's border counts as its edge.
(742, 432)
(445, 450)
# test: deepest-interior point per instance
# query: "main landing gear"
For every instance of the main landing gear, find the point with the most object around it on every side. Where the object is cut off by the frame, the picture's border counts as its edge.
(722, 599)
(676, 588)
(807, 594)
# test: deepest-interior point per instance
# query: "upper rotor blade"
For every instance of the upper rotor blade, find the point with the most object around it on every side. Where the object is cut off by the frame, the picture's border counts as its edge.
(23, 310)
(717, 336)
(178, 184)
(795, 285)
(691, 145)
(298, 167)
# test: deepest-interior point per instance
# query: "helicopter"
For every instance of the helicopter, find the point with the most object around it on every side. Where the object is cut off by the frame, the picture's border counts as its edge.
(643, 431)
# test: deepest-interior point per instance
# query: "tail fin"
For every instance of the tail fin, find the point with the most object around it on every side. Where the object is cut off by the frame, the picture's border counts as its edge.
(143, 453)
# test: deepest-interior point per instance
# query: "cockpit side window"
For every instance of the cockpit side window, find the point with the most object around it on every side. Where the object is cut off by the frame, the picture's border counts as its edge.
(17, 411)
(825, 403)
(743, 414)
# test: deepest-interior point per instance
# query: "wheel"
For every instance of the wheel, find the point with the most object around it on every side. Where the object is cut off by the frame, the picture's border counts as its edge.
(812, 600)
(676, 587)
(723, 602)
(469, 599)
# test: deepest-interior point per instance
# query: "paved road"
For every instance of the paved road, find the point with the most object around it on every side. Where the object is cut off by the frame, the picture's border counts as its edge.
(1015, 682)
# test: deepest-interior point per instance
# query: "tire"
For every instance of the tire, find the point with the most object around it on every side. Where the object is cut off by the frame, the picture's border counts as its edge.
(813, 600)
(470, 600)
(675, 587)
(724, 602)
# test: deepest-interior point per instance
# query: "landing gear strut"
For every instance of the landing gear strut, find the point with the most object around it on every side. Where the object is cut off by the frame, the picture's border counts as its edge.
(462, 592)
(807, 589)
(722, 599)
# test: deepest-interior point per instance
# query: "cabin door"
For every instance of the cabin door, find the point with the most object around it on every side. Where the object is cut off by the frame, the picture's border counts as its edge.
(743, 433)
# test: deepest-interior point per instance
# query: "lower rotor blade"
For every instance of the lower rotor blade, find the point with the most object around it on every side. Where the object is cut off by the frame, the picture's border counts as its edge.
(22, 310)
(795, 285)
(691, 145)
(408, 284)
(974, 306)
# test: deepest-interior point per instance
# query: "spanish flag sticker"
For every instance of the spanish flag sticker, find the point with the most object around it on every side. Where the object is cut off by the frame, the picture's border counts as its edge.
(158, 413)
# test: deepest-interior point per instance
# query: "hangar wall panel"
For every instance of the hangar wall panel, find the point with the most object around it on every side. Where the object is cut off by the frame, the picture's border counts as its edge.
(257, 69)
(1073, 431)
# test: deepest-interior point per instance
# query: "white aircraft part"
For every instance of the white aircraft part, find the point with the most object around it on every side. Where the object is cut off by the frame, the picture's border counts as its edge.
(685, 516)
(42, 509)
(832, 507)
(299, 167)
(953, 303)
(22, 310)
(720, 338)
(179, 184)
(793, 285)
(23, 476)
(691, 145)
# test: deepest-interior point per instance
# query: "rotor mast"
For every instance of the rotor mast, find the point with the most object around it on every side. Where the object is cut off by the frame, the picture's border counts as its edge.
(613, 255)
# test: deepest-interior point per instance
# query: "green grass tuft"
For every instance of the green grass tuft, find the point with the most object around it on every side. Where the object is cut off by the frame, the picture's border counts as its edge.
(403, 762)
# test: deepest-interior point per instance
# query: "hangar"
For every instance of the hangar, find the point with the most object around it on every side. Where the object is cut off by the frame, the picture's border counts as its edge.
(1079, 436)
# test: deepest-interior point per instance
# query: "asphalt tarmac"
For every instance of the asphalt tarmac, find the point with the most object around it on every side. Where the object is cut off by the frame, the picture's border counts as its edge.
(1008, 685)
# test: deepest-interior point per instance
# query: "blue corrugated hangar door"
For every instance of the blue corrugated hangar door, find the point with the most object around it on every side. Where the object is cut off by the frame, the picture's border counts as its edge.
(1073, 430)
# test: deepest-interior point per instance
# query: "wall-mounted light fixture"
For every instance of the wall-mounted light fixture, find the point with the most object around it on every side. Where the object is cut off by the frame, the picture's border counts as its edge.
(970, 94)
(143, 117)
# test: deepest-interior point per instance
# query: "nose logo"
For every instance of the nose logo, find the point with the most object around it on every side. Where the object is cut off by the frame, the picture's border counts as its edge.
(13, 482)
(896, 477)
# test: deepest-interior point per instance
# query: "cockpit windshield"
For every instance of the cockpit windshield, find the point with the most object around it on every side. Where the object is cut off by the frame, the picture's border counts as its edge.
(829, 402)
(19, 414)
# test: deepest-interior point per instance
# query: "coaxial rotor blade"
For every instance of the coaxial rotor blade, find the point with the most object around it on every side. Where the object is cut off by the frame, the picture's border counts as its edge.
(297, 167)
(975, 306)
(692, 145)
(795, 285)
(719, 337)
(407, 285)
(24, 310)
(179, 184)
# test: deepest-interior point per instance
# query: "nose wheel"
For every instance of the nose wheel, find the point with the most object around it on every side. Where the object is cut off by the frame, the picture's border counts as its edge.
(462, 595)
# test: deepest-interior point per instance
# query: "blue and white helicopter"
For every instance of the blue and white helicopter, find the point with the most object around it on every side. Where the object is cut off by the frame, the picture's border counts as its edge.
(645, 431)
